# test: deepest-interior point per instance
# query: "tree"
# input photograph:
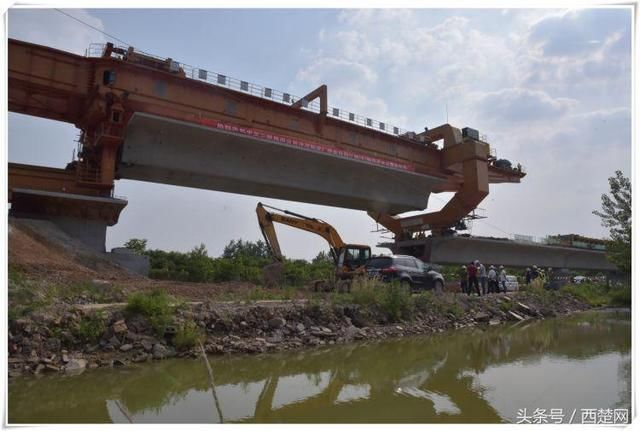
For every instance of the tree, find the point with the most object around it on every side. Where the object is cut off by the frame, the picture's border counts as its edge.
(616, 216)
(199, 264)
(322, 258)
(246, 249)
(139, 246)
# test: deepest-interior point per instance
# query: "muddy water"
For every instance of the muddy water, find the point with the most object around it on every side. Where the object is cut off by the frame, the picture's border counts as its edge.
(470, 375)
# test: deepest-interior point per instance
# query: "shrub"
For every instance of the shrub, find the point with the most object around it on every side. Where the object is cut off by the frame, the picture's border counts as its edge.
(154, 306)
(187, 335)
(424, 301)
(90, 328)
(366, 291)
(620, 296)
(396, 302)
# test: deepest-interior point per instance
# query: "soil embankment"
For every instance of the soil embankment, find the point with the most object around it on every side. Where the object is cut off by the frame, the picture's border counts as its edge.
(61, 319)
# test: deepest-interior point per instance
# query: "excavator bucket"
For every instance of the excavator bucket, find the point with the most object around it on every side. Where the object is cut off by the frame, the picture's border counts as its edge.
(273, 274)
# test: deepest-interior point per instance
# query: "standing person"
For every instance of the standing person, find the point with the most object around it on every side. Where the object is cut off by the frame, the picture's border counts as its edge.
(534, 273)
(502, 278)
(493, 279)
(527, 276)
(463, 279)
(482, 275)
(472, 272)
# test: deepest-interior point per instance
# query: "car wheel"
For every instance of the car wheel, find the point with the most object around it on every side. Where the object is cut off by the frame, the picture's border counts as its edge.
(405, 284)
(438, 286)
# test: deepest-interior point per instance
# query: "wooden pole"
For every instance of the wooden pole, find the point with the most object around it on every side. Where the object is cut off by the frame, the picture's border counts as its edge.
(211, 382)
(124, 411)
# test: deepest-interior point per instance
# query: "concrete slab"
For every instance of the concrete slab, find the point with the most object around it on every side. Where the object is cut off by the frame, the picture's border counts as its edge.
(163, 150)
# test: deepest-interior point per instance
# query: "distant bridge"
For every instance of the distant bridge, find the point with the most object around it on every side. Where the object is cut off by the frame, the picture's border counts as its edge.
(462, 250)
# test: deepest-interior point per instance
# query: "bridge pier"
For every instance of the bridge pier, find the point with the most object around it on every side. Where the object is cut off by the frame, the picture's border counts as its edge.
(83, 218)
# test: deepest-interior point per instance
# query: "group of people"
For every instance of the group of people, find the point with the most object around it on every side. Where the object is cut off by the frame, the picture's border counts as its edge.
(474, 278)
(534, 272)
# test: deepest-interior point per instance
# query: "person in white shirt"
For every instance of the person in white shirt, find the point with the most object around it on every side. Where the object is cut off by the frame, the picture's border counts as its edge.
(493, 279)
(502, 279)
(482, 276)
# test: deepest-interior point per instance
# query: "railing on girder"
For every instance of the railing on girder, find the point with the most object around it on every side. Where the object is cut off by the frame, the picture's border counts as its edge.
(218, 79)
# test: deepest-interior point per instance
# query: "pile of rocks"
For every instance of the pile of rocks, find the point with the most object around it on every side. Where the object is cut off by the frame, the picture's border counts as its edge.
(49, 341)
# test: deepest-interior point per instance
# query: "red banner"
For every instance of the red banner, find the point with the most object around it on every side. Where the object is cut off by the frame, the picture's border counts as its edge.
(301, 143)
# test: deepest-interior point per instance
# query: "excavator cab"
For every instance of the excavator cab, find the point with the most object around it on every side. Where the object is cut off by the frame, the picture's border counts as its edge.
(352, 257)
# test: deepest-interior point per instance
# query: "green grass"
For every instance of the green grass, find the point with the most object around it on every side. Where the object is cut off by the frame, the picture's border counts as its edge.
(24, 295)
(98, 293)
(393, 300)
(364, 292)
(27, 295)
(259, 293)
(187, 336)
(155, 307)
(595, 295)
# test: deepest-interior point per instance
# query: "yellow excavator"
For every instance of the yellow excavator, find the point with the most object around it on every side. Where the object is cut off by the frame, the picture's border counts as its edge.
(349, 259)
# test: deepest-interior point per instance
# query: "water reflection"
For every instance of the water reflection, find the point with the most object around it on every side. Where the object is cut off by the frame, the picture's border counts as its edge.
(465, 376)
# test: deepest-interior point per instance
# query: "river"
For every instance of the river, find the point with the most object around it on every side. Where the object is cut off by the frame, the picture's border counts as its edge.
(470, 375)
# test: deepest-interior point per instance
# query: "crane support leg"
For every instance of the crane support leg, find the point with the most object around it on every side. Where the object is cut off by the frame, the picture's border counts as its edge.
(467, 155)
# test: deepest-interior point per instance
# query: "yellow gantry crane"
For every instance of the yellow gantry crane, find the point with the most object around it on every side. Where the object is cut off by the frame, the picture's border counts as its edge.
(349, 259)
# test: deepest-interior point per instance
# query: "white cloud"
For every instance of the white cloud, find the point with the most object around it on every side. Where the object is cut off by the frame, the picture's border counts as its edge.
(50, 27)
(570, 34)
(516, 105)
(344, 73)
(559, 57)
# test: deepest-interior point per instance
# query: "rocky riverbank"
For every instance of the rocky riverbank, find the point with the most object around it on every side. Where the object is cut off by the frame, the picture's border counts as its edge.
(71, 338)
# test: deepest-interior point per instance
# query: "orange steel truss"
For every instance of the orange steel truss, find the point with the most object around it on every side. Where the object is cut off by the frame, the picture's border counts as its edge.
(100, 94)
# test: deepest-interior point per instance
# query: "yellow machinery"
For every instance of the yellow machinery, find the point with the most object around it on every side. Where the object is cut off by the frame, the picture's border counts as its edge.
(349, 259)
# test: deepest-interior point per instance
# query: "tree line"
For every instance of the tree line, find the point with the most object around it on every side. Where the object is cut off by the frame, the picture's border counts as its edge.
(240, 261)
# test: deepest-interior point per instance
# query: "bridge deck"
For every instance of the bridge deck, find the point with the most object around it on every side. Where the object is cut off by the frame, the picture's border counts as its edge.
(462, 250)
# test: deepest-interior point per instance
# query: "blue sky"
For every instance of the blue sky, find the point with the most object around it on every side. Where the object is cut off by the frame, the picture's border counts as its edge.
(550, 88)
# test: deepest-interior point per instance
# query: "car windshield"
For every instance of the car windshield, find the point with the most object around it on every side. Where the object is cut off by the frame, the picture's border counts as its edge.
(511, 278)
(379, 262)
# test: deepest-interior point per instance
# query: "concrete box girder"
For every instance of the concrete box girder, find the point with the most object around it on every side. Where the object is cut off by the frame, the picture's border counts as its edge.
(462, 250)
(164, 150)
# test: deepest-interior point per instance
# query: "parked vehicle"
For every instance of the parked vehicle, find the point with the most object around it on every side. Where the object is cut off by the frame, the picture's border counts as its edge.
(579, 279)
(512, 283)
(408, 270)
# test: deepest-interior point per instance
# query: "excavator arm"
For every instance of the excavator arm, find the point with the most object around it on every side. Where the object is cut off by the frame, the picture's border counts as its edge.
(267, 218)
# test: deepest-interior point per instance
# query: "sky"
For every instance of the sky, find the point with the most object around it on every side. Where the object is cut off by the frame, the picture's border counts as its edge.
(551, 89)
